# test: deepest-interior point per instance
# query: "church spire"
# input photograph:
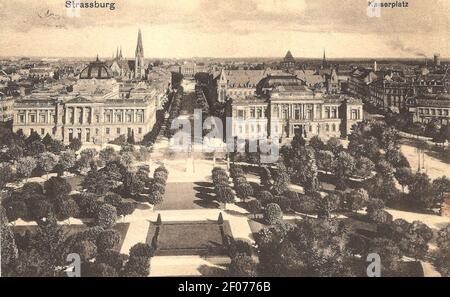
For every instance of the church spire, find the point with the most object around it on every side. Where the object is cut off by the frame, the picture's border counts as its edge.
(139, 47)
(324, 60)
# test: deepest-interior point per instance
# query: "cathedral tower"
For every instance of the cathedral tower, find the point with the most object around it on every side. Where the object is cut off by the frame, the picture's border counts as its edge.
(139, 68)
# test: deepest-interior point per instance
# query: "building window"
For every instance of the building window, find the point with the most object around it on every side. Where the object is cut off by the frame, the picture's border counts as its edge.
(334, 127)
(140, 118)
(32, 118)
(119, 118)
(96, 131)
(118, 131)
(334, 113)
(140, 130)
(21, 118)
(97, 118)
(107, 131)
(327, 112)
(129, 118)
(42, 118)
(354, 114)
(252, 113)
(327, 127)
(42, 131)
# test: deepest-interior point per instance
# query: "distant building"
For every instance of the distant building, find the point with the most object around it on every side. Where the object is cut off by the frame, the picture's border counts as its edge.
(358, 84)
(389, 93)
(129, 69)
(430, 107)
(286, 106)
(6, 108)
(240, 83)
(288, 61)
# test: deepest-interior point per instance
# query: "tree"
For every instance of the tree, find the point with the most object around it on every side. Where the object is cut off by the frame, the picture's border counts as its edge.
(155, 198)
(127, 159)
(25, 166)
(75, 144)
(133, 185)
(49, 241)
(86, 249)
(101, 270)
(86, 157)
(47, 161)
(254, 206)
(364, 167)
(266, 178)
(305, 169)
(441, 186)
(9, 251)
(7, 174)
(112, 258)
(281, 180)
(224, 194)
(389, 253)
(265, 197)
(356, 199)
(16, 209)
(113, 199)
(344, 167)
(327, 205)
(404, 176)
(35, 148)
(324, 160)
(68, 209)
(244, 190)
(57, 188)
(316, 143)
(108, 239)
(136, 267)
(107, 155)
(442, 255)
(334, 145)
(106, 216)
(141, 250)
(273, 214)
(242, 265)
(67, 159)
(158, 188)
(125, 208)
(41, 209)
(420, 191)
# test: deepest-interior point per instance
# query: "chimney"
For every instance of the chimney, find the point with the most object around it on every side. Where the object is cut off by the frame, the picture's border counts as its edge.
(437, 59)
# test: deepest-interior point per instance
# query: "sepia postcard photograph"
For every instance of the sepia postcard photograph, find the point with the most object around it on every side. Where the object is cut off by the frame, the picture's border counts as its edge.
(239, 140)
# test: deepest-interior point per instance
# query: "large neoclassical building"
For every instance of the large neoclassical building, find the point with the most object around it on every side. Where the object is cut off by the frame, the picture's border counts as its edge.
(98, 110)
(285, 106)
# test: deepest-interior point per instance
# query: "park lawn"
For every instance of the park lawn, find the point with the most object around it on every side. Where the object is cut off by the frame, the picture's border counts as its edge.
(122, 228)
(191, 238)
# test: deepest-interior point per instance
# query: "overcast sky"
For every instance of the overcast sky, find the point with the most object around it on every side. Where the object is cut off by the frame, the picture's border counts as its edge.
(227, 28)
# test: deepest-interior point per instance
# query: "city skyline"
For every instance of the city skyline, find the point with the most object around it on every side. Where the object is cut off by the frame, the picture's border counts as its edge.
(266, 28)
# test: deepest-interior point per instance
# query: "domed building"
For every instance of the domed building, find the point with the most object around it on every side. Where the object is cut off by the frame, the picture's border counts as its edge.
(96, 70)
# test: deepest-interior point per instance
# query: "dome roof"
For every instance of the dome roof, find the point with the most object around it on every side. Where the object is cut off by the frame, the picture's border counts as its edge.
(97, 70)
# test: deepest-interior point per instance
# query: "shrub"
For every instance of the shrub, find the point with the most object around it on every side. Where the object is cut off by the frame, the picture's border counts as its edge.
(106, 216)
(284, 203)
(273, 214)
(158, 188)
(41, 209)
(265, 197)
(112, 258)
(86, 249)
(141, 250)
(125, 208)
(113, 199)
(239, 247)
(156, 198)
(108, 239)
(254, 206)
(242, 266)
(16, 209)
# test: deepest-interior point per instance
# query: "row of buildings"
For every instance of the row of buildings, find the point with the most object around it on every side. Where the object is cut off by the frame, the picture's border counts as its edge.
(99, 106)
(423, 93)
